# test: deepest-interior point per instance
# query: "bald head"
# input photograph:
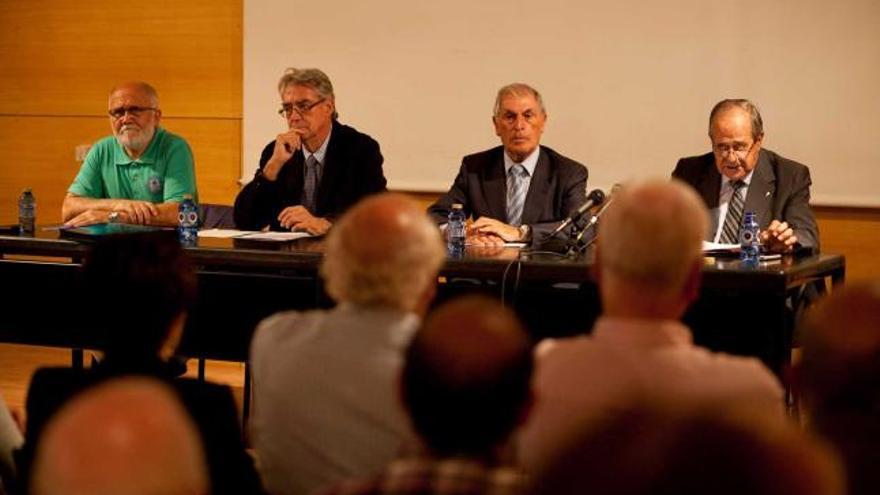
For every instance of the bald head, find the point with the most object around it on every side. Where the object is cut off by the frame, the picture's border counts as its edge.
(466, 381)
(136, 88)
(126, 437)
(384, 251)
(651, 237)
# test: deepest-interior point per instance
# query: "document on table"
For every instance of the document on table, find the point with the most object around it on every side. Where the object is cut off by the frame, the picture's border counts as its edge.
(253, 235)
(719, 248)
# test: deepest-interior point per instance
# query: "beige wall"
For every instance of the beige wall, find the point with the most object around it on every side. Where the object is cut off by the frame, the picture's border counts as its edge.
(59, 59)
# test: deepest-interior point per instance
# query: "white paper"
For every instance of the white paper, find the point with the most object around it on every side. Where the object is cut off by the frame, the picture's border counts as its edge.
(275, 236)
(718, 246)
(223, 233)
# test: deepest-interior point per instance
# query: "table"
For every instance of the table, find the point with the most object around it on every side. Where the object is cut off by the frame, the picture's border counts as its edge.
(742, 310)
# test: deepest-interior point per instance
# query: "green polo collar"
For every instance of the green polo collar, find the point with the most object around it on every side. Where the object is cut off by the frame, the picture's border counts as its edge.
(120, 157)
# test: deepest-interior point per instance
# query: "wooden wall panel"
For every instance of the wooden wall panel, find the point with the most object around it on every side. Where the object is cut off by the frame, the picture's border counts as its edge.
(855, 233)
(62, 58)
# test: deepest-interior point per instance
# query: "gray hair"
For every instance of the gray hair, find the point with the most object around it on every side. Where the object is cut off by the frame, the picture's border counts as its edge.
(517, 90)
(652, 233)
(744, 105)
(312, 78)
(385, 251)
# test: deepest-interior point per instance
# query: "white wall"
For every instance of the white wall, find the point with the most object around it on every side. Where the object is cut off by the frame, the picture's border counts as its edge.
(628, 84)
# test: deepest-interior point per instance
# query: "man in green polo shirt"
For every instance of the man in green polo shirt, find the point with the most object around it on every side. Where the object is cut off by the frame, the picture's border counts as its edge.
(137, 175)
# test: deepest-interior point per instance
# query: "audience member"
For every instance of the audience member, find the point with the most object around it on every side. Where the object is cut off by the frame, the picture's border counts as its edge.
(138, 175)
(518, 191)
(10, 440)
(838, 379)
(638, 347)
(311, 173)
(466, 386)
(739, 176)
(146, 283)
(324, 404)
(650, 450)
(128, 436)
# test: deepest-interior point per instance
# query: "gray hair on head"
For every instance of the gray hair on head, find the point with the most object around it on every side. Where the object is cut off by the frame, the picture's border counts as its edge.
(517, 90)
(312, 78)
(744, 105)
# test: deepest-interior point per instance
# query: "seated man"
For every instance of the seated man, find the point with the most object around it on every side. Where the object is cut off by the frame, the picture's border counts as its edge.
(145, 284)
(138, 175)
(519, 191)
(129, 436)
(739, 176)
(324, 405)
(466, 386)
(639, 349)
(315, 170)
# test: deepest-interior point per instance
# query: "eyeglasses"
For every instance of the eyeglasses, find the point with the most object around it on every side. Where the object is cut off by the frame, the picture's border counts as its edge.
(301, 108)
(118, 113)
(739, 149)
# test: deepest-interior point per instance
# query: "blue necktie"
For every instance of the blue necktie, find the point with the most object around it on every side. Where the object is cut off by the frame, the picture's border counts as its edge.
(516, 193)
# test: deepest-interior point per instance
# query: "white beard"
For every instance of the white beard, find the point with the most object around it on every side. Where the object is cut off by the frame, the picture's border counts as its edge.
(136, 141)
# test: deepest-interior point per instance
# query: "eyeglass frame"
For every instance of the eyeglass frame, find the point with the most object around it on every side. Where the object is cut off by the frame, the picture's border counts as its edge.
(134, 110)
(300, 108)
(726, 149)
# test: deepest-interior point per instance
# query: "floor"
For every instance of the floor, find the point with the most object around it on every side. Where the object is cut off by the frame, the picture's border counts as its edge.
(18, 362)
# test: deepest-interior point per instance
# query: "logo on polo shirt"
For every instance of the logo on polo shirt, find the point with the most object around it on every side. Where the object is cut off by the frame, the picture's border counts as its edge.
(155, 184)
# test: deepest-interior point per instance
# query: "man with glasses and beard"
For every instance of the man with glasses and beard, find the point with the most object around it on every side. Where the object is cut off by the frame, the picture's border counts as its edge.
(316, 170)
(138, 175)
(738, 176)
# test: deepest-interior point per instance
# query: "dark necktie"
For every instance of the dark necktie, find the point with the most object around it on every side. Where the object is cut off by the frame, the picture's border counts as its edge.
(516, 193)
(730, 231)
(310, 185)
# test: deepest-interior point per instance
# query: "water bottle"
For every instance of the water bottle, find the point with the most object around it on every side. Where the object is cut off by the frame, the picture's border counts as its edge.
(750, 248)
(456, 230)
(27, 212)
(188, 221)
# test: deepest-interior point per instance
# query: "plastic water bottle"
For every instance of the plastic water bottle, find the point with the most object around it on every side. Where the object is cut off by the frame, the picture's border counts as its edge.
(750, 248)
(456, 230)
(188, 221)
(27, 212)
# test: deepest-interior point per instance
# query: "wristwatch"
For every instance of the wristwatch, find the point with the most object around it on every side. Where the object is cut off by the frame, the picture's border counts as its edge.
(525, 233)
(113, 217)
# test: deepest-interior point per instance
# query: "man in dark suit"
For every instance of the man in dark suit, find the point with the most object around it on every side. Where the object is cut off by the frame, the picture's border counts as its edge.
(738, 176)
(316, 170)
(518, 191)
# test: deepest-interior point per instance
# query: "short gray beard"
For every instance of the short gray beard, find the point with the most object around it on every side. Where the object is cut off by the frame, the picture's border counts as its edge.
(139, 143)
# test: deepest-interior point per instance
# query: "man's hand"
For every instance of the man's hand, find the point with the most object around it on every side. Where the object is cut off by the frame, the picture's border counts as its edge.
(778, 237)
(490, 226)
(91, 217)
(141, 212)
(286, 145)
(298, 217)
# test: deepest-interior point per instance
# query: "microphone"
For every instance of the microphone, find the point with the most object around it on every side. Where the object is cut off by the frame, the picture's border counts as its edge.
(596, 197)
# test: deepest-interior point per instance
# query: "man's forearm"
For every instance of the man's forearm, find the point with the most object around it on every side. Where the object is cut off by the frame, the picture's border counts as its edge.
(74, 205)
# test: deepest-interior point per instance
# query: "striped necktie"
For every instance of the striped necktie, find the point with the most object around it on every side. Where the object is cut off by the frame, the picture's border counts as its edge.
(310, 185)
(516, 193)
(730, 231)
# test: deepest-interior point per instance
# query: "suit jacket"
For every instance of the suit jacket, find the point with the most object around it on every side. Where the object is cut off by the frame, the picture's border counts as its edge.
(557, 188)
(779, 190)
(210, 405)
(352, 169)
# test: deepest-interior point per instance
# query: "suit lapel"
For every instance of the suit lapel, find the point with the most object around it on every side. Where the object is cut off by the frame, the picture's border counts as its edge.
(538, 188)
(494, 180)
(762, 190)
(329, 172)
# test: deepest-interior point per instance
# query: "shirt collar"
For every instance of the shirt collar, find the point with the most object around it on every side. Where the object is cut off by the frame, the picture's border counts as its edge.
(148, 156)
(321, 151)
(726, 182)
(529, 163)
